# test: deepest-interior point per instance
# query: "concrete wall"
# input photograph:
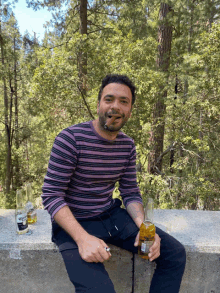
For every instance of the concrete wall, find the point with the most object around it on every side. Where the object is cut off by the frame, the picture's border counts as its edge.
(32, 263)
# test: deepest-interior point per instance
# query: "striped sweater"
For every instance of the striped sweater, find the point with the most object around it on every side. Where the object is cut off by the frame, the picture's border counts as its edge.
(83, 169)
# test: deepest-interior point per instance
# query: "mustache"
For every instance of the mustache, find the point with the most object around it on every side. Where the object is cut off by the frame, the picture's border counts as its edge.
(113, 112)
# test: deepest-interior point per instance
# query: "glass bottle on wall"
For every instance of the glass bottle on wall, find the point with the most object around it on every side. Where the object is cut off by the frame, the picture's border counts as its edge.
(21, 213)
(30, 206)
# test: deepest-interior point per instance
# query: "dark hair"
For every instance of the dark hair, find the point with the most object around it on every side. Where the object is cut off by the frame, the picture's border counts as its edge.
(117, 78)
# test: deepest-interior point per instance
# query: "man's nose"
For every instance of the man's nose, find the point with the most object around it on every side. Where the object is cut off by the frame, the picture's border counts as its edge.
(115, 105)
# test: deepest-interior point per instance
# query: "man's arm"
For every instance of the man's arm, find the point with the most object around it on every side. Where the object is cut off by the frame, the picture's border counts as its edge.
(91, 248)
(136, 211)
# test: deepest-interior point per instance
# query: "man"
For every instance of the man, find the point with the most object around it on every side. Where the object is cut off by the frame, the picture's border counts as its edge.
(86, 161)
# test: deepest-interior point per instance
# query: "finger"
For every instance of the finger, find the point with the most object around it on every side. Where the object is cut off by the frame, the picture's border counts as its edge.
(108, 250)
(105, 250)
(154, 254)
(155, 249)
(95, 257)
(104, 254)
(153, 257)
(156, 243)
(90, 258)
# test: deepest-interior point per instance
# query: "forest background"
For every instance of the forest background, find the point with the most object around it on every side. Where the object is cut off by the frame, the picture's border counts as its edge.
(170, 49)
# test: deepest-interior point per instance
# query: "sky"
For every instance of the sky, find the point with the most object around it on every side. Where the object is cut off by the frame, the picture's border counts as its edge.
(31, 20)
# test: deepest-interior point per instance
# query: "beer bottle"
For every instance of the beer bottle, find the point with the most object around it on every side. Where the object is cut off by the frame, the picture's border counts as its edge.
(30, 206)
(147, 231)
(21, 213)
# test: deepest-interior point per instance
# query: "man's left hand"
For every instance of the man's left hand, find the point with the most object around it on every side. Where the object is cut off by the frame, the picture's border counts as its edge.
(154, 249)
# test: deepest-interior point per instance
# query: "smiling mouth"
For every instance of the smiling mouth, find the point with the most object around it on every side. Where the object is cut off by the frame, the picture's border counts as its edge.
(114, 117)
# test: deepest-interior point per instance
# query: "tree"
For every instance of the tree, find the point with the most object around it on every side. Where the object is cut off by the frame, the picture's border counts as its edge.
(163, 61)
(175, 117)
(8, 99)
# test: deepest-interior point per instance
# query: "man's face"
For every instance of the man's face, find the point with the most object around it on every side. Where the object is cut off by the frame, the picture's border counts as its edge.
(115, 99)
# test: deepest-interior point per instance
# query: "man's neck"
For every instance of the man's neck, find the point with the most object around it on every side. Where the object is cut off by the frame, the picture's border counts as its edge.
(102, 132)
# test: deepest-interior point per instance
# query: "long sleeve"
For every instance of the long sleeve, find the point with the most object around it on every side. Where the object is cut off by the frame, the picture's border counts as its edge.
(128, 187)
(61, 167)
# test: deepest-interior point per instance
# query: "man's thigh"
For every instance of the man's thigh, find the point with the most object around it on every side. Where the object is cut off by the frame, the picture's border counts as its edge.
(85, 276)
(170, 247)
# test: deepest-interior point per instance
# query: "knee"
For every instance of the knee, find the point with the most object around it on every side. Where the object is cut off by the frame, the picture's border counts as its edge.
(181, 257)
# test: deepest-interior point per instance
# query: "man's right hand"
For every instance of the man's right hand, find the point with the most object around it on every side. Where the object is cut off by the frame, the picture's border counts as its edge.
(92, 249)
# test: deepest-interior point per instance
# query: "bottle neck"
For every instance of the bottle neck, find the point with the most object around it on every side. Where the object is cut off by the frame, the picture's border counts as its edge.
(149, 210)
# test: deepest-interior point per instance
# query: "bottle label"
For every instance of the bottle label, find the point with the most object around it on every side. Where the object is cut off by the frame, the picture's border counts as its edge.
(22, 222)
(145, 246)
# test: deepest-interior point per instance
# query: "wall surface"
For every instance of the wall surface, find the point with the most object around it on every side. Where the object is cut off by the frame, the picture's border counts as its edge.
(32, 263)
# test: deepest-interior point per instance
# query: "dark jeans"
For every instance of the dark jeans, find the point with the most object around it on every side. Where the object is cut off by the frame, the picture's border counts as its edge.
(93, 278)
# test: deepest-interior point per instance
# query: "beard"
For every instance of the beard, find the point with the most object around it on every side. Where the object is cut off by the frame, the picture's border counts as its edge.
(103, 117)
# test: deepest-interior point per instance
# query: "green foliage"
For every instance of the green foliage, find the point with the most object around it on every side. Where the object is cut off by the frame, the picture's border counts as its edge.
(122, 38)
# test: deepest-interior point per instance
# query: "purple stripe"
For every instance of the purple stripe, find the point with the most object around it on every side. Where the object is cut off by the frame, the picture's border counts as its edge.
(88, 207)
(59, 165)
(102, 168)
(54, 202)
(56, 172)
(97, 176)
(127, 202)
(97, 153)
(94, 189)
(61, 150)
(57, 209)
(78, 188)
(81, 199)
(102, 161)
(66, 143)
(88, 189)
(107, 147)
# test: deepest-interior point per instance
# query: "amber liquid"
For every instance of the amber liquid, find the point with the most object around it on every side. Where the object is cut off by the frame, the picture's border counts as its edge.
(32, 217)
(146, 239)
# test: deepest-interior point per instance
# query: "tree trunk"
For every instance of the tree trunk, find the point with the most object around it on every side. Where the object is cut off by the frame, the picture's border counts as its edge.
(17, 176)
(163, 60)
(82, 53)
(7, 111)
(82, 59)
